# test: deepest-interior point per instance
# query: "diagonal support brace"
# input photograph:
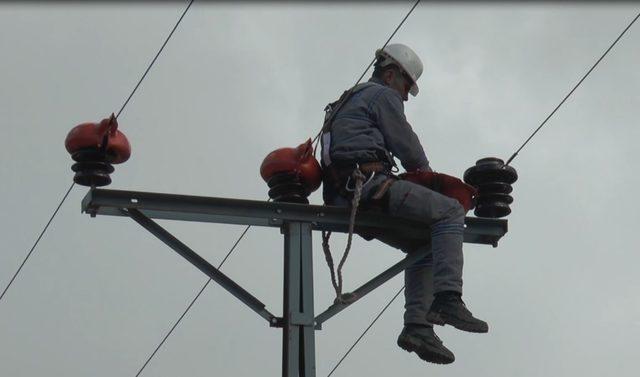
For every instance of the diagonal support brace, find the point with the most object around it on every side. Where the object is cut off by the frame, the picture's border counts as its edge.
(201, 263)
(369, 286)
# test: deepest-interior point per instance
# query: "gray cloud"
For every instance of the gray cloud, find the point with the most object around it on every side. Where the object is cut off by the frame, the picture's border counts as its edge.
(560, 292)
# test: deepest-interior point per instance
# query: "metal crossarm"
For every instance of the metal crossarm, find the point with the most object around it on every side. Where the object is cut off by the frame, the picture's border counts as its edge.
(271, 214)
(296, 222)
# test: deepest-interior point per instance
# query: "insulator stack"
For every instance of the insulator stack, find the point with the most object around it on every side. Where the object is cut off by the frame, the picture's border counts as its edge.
(493, 180)
(287, 187)
(92, 168)
(292, 174)
(95, 147)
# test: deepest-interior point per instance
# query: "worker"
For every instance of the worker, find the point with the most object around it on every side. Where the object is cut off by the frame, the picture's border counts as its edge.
(366, 132)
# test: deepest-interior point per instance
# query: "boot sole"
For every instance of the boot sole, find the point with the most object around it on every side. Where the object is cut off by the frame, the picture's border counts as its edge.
(438, 319)
(430, 356)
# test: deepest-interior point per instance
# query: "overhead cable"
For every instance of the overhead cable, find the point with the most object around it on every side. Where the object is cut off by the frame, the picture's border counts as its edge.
(37, 240)
(155, 57)
(572, 90)
(119, 112)
(339, 105)
(192, 302)
(365, 331)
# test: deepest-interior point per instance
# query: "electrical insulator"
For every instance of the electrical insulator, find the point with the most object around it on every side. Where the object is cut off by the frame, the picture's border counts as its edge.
(95, 147)
(287, 187)
(493, 179)
(292, 174)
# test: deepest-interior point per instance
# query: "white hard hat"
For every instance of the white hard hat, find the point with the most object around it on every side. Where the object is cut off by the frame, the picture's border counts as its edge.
(405, 58)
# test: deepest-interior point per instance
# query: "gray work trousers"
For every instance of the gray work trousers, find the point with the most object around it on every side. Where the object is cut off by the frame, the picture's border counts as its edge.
(441, 269)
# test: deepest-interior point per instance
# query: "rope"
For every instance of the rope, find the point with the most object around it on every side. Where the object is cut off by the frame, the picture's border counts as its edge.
(345, 298)
(355, 202)
(572, 90)
(327, 256)
(337, 286)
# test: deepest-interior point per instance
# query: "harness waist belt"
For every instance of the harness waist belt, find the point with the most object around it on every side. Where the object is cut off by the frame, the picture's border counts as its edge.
(344, 169)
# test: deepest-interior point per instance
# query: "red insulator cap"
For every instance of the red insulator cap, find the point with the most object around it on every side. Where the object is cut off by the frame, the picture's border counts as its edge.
(93, 135)
(444, 184)
(298, 160)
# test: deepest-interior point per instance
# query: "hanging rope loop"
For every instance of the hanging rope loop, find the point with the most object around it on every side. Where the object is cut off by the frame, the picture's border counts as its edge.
(360, 180)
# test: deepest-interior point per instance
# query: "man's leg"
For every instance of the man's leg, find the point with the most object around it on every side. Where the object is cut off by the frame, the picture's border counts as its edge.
(418, 335)
(418, 291)
(445, 217)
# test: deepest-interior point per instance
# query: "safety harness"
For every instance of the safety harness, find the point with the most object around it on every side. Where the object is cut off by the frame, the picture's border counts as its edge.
(340, 176)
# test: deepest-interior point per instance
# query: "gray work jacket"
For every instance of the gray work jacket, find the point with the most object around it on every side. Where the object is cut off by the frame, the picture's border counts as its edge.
(371, 126)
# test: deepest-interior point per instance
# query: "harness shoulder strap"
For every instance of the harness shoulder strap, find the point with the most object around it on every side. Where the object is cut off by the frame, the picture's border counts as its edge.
(332, 108)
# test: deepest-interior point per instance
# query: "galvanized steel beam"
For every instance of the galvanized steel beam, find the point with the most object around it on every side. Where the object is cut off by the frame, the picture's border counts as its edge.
(204, 266)
(263, 213)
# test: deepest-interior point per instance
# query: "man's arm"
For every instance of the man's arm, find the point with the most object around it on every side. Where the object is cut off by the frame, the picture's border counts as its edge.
(388, 110)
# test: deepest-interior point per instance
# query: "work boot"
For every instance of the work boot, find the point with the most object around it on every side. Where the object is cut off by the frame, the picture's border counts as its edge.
(448, 308)
(425, 343)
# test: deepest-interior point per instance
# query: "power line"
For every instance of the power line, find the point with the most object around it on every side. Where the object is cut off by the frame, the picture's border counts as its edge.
(365, 331)
(191, 304)
(155, 58)
(37, 240)
(119, 112)
(572, 90)
(389, 39)
(339, 106)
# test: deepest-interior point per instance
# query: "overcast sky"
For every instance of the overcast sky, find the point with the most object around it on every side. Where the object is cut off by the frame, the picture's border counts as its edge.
(237, 81)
